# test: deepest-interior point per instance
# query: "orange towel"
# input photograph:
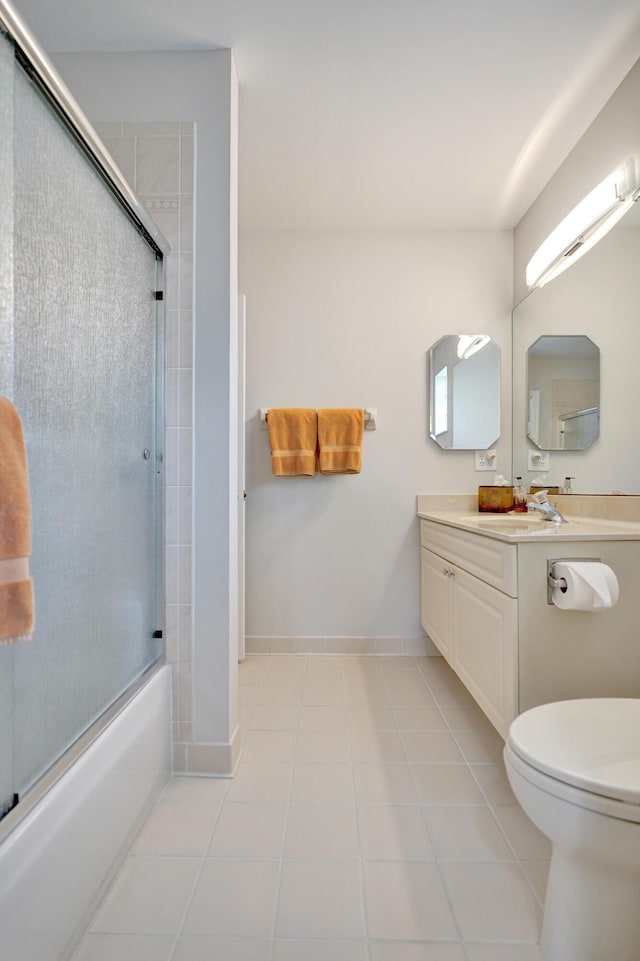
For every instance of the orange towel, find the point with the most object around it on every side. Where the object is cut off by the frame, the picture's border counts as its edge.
(293, 435)
(16, 588)
(340, 440)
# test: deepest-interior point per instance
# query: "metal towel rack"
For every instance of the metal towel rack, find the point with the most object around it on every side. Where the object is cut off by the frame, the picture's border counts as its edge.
(370, 418)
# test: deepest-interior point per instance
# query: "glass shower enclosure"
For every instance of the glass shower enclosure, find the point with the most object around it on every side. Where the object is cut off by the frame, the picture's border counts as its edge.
(81, 286)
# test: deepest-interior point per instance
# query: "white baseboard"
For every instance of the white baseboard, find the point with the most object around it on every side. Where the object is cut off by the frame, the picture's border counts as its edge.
(398, 646)
(207, 760)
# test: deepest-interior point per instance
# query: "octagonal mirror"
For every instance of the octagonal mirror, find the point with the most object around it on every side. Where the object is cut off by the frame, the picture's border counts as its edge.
(464, 392)
(563, 384)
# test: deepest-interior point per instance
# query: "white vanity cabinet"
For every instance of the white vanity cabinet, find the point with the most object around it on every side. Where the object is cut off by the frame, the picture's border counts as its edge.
(484, 604)
(469, 609)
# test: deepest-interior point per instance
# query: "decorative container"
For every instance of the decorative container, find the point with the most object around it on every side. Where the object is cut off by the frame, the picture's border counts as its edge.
(497, 500)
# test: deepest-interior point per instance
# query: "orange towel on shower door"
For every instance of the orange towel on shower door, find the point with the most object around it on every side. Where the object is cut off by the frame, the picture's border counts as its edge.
(340, 440)
(16, 588)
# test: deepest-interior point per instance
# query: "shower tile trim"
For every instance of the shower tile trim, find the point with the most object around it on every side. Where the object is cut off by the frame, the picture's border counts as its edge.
(207, 760)
(161, 144)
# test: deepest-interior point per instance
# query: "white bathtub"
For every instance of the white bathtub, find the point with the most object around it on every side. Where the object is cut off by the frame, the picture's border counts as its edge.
(56, 862)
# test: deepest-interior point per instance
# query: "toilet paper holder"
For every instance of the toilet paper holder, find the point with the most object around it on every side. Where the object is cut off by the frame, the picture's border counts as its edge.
(553, 581)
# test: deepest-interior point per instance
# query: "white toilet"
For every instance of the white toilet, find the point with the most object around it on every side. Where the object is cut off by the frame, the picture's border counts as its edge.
(574, 766)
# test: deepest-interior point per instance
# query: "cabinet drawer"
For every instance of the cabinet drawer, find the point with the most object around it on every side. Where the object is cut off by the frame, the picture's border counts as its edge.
(493, 561)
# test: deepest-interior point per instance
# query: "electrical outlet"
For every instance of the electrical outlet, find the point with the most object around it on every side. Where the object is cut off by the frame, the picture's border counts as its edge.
(539, 460)
(485, 460)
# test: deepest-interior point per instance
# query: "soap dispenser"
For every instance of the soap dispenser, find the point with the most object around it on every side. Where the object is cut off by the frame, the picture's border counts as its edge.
(519, 497)
(567, 485)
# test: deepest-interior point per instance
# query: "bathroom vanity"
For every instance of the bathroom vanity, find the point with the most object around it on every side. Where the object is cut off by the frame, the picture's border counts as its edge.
(483, 598)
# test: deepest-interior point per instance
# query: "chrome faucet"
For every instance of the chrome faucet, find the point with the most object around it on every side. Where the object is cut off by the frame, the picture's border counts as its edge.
(540, 503)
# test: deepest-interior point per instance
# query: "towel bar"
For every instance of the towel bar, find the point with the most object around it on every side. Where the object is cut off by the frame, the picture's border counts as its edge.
(370, 418)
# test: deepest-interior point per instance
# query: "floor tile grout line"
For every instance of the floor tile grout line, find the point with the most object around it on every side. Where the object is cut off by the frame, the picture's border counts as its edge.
(364, 917)
(503, 833)
(490, 807)
(278, 886)
(364, 914)
(319, 859)
(254, 705)
(487, 804)
(203, 861)
(516, 856)
(132, 856)
(349, 729)
(429, 835)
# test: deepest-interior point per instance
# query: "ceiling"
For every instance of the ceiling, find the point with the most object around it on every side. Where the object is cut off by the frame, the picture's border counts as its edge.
(385, 114)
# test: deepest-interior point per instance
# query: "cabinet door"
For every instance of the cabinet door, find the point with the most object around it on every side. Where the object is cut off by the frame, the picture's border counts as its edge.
(435, 600)
(485, 631)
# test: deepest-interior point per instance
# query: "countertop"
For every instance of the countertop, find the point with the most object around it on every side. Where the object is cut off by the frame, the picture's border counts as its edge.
(522, 528)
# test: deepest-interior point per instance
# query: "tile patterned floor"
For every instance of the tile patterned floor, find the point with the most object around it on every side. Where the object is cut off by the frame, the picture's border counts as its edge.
(369, 820)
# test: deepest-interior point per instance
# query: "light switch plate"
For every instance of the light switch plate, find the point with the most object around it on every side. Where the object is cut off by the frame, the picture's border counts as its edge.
(539, 460)
(486, 459)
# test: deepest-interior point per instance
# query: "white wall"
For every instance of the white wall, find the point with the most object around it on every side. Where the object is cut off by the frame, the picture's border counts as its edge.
(346, 319)
(198, 86)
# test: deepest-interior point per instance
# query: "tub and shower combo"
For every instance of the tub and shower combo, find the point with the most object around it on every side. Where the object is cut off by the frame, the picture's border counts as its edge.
(84, 704)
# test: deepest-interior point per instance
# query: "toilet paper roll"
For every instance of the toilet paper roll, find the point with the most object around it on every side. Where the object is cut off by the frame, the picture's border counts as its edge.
(591, 586)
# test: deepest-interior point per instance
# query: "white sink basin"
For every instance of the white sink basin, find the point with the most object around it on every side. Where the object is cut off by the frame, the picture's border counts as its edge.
(509, 521)
(509, 525)
(512, 525)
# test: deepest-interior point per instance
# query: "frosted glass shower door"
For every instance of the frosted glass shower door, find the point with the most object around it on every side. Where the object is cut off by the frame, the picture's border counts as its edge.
(85, 381)
(6, 365)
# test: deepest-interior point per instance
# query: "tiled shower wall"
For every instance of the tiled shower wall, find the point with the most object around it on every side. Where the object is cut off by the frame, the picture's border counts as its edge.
(157, 160)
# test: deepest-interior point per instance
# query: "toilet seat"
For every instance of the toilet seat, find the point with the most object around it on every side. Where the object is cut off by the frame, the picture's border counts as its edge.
(590, 744)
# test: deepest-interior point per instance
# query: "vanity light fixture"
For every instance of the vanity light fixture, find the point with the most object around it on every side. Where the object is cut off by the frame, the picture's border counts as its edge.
(470, 344)
(584, 226)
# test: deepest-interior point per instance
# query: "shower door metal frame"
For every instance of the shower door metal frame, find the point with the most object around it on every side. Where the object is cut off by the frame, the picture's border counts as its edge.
(44, 76)
(42, 72)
